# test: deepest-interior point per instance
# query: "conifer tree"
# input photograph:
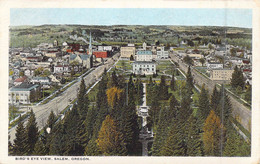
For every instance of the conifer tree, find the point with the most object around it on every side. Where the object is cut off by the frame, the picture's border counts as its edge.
(175, 142)
(237, 78)
(40, 148)
(92, 148)
(204, 102)
(57, 140)
(174, 107)
(82, 100)
(194, 142)
(89, 124)
(214, 100)
(10, 147)
(163, 88)
(172, 85)
(51, 120)
(32, 133)
(19, 146)
(110, 141)
(189, 81)
(248, 94)
(155, 107)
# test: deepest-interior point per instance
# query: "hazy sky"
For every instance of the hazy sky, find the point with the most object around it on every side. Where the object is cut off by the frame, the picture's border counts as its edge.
(131, 16)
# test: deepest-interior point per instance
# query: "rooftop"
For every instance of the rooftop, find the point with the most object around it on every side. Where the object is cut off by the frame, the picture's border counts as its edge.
(24, 87)
(144, 53)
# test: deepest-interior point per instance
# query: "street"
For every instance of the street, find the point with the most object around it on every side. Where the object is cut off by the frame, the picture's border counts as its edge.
(60, 102)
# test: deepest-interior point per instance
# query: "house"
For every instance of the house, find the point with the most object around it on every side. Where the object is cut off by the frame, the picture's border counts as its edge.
(22, 93)
(195, 56)
(100, 54)
(61, 69)
(20, 80)
(43, 81)
(127, 52)
(144, 56)
(144, 67)
(29, 72)
(162, 54)
(214, 65)
(221, 74)
(104, 48)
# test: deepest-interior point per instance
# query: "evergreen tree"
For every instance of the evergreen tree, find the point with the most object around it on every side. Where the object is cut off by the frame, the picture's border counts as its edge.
(32, 133)
(51, 120)
(225, 109)
(189, 80)
(110, 141)
(155, 107)
(92, 148)
(10, 147)
(175, 142)
(248, 94)
(82, 98)
(161, 132)
(237, 78)
(57, 140)
(89, 124)
(72, 136)
(114, 79)
(194, 142)
(19, 146)
(204, 102)
(214, 100)
(40, 148)
(163, 88)
(174, 107)
(172, 85)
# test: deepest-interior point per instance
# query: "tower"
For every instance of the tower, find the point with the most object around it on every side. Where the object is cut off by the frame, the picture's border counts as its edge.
(90, 46)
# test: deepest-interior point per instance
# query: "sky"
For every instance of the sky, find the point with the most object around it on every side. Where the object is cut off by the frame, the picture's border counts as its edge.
(132, 16)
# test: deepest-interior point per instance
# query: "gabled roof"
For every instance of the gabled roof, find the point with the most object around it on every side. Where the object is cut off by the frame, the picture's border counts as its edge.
(73, 56)
(84, 57)
(22, 79)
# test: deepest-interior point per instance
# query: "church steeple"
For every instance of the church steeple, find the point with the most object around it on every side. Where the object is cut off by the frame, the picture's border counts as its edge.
(90, 46)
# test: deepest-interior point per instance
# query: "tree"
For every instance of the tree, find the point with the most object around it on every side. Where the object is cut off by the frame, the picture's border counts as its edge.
(40, 148)
(174, 109)
(204, 102)
(131, 58)
(163, 88)
(214, 99)
(237, 78)
(189, 80)
(32, 133)
(172, 85)
(202, 61)
(111, 94)
(19, 146)
(92, 148)
(194, 142)
(188, 60)
(210, 46)
(51, 120)
(213, 129)
(110, 141)
(57, 140)
(248, 94)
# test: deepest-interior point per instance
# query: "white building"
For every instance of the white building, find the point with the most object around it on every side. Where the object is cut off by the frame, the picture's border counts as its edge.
(144, 56)
(21, 93)
(162, 54)
(214, 65)
(144, 46)
(104, 48)
(221, 74)
(61, 69)
(144, 67)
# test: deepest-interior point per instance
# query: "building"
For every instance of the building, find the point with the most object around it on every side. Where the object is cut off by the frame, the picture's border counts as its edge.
(144, 46)
(61, 69)
(144, 67)
(45, 82)
(195, 56)
(100, 54)
(211, 65)
(221, 74)
(127, 52)
(162, 54)
(144, 56)
(21, 93)
(20, 80)
(104, 48)
(83, 59)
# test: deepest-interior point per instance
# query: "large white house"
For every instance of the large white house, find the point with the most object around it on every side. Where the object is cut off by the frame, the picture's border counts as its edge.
(144, 56)
(21, 93)
(162, 54)
(144, 67)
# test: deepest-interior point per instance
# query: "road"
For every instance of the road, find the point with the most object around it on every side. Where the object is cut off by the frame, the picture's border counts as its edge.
(62, 101)
(240, 112)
